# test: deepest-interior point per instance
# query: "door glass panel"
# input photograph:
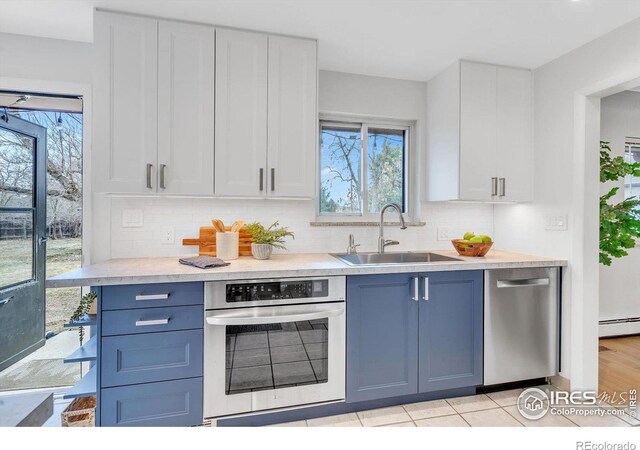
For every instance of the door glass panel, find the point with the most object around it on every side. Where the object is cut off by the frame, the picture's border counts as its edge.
(16, 247)
(16, 169)
(261, 357)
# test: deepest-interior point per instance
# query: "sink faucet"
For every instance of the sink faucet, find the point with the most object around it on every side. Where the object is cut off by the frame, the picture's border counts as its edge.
(382, 242)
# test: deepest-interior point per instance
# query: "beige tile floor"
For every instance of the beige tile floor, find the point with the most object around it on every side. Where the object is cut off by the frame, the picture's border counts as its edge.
(496, 409)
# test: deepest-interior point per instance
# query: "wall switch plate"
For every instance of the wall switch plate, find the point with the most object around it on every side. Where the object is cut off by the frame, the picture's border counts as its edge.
(556, 222)
(444, 233)
(132, 218)
(168, 235)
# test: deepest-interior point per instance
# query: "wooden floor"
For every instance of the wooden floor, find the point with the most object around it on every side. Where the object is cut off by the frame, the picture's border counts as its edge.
(619, 368)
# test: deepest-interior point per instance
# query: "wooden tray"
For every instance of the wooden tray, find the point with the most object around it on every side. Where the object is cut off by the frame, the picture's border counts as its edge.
(207, 242)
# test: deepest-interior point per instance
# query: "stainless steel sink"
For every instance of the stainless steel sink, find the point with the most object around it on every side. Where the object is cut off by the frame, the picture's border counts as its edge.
(371, 259)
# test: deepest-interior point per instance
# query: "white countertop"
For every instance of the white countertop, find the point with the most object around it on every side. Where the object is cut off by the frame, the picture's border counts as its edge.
(169, 270)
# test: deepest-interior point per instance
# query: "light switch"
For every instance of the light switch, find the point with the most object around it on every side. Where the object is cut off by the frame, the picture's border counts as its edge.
(132, 218)
(556, 222)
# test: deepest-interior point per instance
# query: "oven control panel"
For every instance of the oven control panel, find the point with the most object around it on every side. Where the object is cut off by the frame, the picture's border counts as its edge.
(277, 290)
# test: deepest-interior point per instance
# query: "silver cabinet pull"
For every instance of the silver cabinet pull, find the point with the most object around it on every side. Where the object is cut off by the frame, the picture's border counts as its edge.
(147, 323)
(273, 179)
(149, 167)
(416, 289)
(152, 296)
(4, 301)
(523, 283)
(494, 186)
(162, 169)
(261, 179)
(502, 187)
(425, 297)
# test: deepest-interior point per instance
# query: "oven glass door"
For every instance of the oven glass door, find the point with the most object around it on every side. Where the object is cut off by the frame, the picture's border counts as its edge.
(296, 356)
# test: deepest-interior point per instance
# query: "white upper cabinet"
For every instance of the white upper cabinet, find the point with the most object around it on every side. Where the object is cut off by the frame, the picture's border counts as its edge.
(241, 113)
(126, 108)
(292, 117)
(515, 135)
(479, 126)
(185, 108)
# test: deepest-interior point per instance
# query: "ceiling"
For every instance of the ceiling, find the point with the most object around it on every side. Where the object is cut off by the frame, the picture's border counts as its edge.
(409, 39)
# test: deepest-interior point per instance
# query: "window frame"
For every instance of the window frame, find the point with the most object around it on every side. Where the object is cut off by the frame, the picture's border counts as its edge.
(629, 148)
(349, 122)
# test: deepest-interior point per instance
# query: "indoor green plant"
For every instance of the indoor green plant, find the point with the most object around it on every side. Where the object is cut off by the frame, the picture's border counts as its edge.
(265, 239)
(619, 222)
(83, 308)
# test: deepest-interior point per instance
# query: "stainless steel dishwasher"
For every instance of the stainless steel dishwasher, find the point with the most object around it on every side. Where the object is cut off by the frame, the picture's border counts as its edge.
(521, 324)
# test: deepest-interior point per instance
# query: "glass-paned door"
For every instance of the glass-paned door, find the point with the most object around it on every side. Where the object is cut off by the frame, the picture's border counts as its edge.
(22, 238)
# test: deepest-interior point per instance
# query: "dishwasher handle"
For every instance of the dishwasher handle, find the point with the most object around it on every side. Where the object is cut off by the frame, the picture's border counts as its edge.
(528, 282)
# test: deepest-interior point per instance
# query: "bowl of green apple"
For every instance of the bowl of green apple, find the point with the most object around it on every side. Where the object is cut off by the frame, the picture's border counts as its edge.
(472, 244)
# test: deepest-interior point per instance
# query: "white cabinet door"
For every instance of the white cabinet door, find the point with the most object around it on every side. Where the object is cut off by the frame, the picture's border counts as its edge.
(292, 117)
(185, 108)
(241, 113)
(477, 131)
(126, 110)
(514, 146)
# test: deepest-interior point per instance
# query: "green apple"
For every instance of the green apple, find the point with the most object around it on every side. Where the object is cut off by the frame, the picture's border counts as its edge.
(468, 235)
(486, 239)
(476, 240)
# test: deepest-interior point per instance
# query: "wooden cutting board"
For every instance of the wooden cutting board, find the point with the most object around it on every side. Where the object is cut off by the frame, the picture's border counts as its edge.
(207, 242)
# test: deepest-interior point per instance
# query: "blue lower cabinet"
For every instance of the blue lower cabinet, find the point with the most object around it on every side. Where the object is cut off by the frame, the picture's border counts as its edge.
(382, 331)
(450, 331)
(144, 358)
(151, 320)
(168, 403)
(411, 333)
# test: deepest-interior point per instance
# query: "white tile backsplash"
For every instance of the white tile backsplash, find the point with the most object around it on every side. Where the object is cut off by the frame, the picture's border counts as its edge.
(187, 215)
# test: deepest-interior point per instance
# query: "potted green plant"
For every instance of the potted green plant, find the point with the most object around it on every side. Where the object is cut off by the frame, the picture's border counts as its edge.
(265, 239)
(86, 306)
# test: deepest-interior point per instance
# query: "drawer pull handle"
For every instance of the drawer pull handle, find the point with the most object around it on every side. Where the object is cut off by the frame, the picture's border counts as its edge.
(146, 323)
(152, 297)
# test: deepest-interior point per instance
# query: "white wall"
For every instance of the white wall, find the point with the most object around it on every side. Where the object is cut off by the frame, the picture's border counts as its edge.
(561, 165)
(620, 283)
(339, 94)
(45, 59)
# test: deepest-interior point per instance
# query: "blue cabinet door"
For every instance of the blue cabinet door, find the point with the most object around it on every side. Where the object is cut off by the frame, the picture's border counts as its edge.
(450, 330)
(382, 330)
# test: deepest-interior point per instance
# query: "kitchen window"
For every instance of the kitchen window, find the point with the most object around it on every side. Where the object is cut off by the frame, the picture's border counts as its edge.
(363, 166)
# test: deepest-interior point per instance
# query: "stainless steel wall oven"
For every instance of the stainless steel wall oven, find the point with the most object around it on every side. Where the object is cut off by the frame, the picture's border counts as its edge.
(273, 343)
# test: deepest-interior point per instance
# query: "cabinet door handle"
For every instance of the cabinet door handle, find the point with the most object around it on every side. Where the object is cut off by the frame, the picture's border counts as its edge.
(152, 296)
(502, 187)
(162, 169)
(148, 323)
(273, 179)
(494, 186)
(4, 301)
(425, 296)
(416, 290)
(261, 179)
(149, 167)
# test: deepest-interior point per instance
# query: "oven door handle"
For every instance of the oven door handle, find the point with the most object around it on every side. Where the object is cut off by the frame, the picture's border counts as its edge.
(251, 318)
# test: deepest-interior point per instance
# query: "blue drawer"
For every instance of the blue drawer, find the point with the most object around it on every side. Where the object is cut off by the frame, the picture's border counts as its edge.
(151, 295)
(164, 404)
(150, 320)
(144, 358)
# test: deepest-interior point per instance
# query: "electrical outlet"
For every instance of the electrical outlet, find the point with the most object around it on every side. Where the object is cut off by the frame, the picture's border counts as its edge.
(444, 233)
(557, 222)
(168, 235)
(132, 218)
